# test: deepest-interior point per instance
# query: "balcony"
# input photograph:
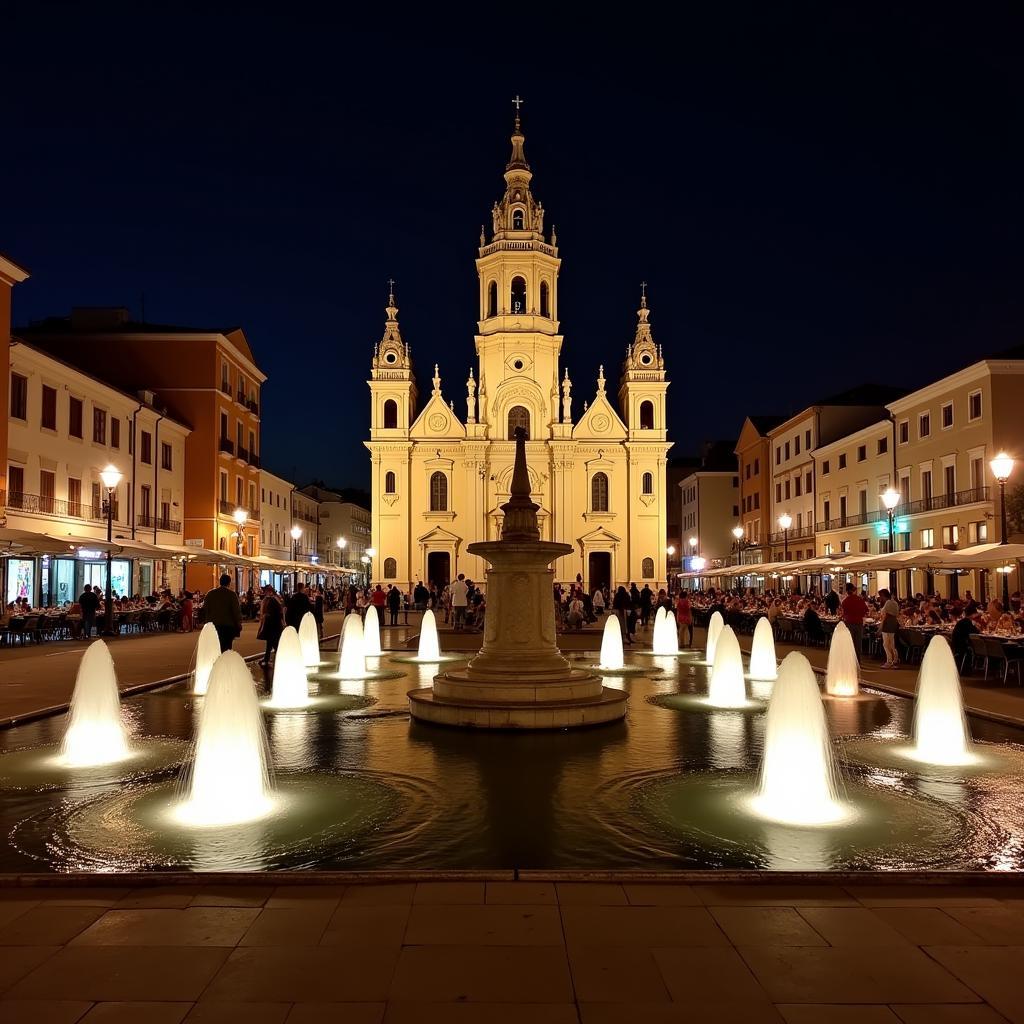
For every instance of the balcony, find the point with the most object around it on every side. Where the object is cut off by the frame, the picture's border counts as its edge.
(794, 534)
(158, 523)
(43, 504)
(253, 459)
(240, 398)
(226, 388)
(242, 453)
(253, 406)
(935, 503)
(227, 445)
(305, 517)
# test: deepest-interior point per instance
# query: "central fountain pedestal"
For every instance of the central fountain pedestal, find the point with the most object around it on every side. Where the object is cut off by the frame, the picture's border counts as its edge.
(519, 680)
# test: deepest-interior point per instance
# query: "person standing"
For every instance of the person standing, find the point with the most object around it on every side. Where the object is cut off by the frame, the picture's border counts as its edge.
(889, 628)
(684, 618)
(89, 602)
(394, 604)
(854, 609)
(298, 605)
(832, 601)
(598, 600)
(459, 598)
(318, 612)
(646, 598)
(221, 607)
(271, 623)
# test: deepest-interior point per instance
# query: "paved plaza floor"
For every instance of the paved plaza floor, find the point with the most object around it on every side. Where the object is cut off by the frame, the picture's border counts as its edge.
(530, 951)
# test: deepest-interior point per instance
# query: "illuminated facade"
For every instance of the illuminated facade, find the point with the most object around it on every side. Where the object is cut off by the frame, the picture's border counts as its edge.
(439, 478)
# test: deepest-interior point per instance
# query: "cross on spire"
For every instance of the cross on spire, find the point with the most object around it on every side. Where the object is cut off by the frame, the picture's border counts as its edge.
(518, 102)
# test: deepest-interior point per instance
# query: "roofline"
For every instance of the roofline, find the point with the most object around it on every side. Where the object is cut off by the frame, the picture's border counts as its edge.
(279, 479)
(11, 271)
(17, 340)
(864, 434)
(973, 372)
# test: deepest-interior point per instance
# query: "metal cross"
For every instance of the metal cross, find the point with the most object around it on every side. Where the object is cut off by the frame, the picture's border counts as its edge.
(391, 284)
(643, 288)
(518, 102)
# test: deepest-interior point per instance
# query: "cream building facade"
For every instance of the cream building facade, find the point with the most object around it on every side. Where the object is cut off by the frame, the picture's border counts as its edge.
(64, 428)
(275, 515)
(439, 478)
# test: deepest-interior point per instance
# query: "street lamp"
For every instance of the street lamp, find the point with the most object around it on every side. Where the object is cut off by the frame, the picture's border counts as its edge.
(1002, 467)
(785, 521)
(240, 517)
(111, 477)
(737, 532)
(341, 549)
(890, 499)
(366, 564)
(670, 551)
(296, 532)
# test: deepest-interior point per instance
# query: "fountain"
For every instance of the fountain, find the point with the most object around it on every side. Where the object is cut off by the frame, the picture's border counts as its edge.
(726, 688)
(207, 652)
(430, 647)
(763, 662)
(842, 677)
(352, 661)
(95, 734)
(612, 659)
(371, 634)
(941, 734)
(798, 784)
(520, 678)
(665, 642)
(230, 780)
(715, 625)
(291, 687)
(309, 640)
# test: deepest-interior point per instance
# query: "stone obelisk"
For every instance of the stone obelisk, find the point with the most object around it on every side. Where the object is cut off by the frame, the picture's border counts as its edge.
(519, 680)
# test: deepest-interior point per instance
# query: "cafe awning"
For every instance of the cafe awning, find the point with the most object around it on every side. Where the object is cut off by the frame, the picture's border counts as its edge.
(981, 556)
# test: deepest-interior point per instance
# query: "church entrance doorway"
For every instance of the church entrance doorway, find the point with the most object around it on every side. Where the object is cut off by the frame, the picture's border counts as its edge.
(599, 570)
(439, 568)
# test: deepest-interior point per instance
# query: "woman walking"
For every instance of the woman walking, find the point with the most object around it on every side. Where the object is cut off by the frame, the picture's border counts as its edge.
(271, 622)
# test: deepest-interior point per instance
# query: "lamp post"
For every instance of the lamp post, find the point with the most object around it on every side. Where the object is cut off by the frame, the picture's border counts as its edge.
(110, 477)
(342, 543)
(241, 517)
(890, 499)
(371, 554)
(1002, 467)
(785, 521)
(296, 532)
(365, 559)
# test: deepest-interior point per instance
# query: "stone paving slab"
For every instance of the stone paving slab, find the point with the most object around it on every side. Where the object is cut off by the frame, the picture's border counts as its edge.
(469, 951)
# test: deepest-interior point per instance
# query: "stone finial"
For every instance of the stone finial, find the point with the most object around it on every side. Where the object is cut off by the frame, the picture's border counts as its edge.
(437, 381)
(566, 398)
(520, 523)
(600, 379)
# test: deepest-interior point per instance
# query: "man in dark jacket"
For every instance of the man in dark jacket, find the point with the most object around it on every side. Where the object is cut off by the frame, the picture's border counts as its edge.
(221, 607)
(89, 602)
(298, 604)
(394, 604)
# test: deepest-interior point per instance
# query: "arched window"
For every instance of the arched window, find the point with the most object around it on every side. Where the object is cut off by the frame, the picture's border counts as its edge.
(646, 415)
(518, 416)
(390, 414)
(647, 568)
(648, 483)
(390, 569)
(438, 492)
(492, 299)
(517, 220)
(599, 493)
(545, 304)
(389, 482)
(517, 299)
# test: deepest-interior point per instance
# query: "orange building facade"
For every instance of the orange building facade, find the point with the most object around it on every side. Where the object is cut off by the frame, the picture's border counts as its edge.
(10, 275)
(753, 454)
(209, 380)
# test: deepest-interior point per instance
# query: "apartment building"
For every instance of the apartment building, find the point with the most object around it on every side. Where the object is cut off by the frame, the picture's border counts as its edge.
(753, 457)
(305, 511)
(709, 503)
(10, 275)
(793, 443)
(205, 377)
(64, 427)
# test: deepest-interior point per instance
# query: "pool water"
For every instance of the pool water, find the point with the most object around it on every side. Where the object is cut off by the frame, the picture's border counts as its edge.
(362, 786)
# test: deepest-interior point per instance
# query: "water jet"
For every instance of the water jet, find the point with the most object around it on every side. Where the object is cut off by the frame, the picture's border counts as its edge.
(207, 652)
(764, 666)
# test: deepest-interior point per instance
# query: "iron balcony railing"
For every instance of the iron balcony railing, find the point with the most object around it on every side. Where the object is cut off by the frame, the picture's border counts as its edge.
(158, 523)
(795, 533)
(43, 504)
(935, 503)
(227, 445)
(243, 453)
(253, 406)
(253, 460)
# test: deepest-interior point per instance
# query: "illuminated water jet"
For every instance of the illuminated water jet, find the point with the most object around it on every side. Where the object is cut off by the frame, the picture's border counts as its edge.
(726, 688)
(291, 686)
(95, 734)
(371, 634)
(430, 647)
(842, 677)
(309, 641)
(666, 638)
(763, 662)
(611, 645)
(352, 663)
(230, 779)
(207, 652)
(797, 784)
(941, 733)
(715, 624)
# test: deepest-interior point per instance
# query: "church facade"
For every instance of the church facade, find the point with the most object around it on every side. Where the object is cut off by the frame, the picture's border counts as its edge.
(440, 475)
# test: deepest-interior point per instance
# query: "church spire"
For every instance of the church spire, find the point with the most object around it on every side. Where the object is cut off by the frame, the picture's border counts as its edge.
(392, 353)
(517, 162)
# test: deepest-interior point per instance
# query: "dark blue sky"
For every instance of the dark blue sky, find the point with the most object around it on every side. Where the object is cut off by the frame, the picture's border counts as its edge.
(816, 198)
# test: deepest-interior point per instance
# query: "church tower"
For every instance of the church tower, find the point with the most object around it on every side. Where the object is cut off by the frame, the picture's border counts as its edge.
(392, 411)
(518, 343)
(642, 386)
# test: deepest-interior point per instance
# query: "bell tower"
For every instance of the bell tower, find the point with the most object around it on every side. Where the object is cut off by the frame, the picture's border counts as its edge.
(392, 384)
(642, 386)
(518, 343)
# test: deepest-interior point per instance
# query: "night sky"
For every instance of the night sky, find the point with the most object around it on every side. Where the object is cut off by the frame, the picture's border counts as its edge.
(814, 203)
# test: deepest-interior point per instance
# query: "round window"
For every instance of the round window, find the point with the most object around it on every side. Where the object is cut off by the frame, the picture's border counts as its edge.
(518, 364)
(390, 357)
(646, 358)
